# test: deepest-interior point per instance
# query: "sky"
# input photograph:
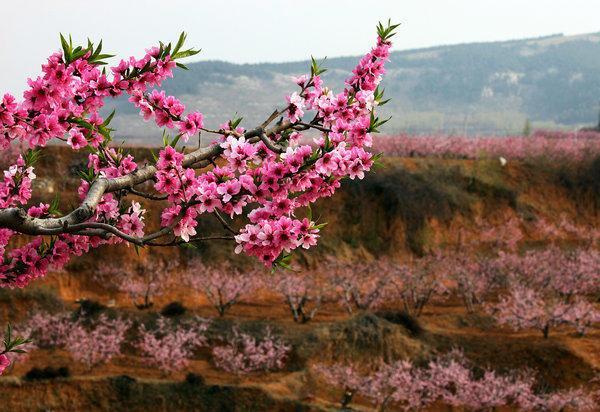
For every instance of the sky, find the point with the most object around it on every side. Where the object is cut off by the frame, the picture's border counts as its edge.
(269, 30)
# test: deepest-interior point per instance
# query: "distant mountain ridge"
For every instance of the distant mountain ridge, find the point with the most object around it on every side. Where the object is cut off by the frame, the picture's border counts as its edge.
(474, 88)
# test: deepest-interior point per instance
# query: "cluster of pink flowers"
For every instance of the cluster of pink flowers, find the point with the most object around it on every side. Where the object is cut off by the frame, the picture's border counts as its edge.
(448, 379)
(525, 307)
(92, 344)
(71, 89)
(279, 183)
(15, 188)
(169, 346)
(167, 112)
(254, 173)
(505, 236)
(4, 362)
(223, 286)
(64, 101)
(244, 353)
(550, 145)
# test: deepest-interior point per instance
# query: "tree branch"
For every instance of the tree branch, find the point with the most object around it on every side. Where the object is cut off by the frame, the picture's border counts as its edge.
(145, 195)
(19, 221)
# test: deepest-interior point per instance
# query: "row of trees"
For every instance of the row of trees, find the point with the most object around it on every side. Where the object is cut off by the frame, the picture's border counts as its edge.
(558, 146)
(167, 344)
(448, 379)
(539, 289)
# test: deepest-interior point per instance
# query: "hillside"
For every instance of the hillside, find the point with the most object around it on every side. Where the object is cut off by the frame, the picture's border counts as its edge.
(473, 88)
(411, 207)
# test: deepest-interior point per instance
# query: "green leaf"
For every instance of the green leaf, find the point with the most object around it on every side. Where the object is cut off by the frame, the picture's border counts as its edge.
(109, 118)
(235, 122)
(66, 49)
(105, 56)
(181, 66)
(96, 53)
(376, 123)
(165, 138)
(315, 68)
(53, 210)
(388, 31)
(32, 156)
(180, 42)
(185, 53)
(176, 140)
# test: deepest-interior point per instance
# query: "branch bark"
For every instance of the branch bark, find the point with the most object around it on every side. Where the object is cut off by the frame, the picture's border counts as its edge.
(18, 220)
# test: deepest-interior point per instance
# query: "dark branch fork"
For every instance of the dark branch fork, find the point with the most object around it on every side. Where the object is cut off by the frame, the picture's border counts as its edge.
(75, 222)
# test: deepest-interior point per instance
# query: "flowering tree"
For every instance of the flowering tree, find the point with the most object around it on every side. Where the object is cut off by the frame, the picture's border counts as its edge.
(170, 347)
(565, 273)
(223, 286)
(244, 353)
(525, 308)
(566, 228)
(582, 314)
(362, 285)
(99, 343)
(50, 330)
(142, 282)
(548, 288)
(418, 283)
(508, 235)
(344, 376)
(302, 293)
(470, 279)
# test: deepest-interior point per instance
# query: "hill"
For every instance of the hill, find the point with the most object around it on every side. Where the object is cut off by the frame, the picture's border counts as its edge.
(471, 88)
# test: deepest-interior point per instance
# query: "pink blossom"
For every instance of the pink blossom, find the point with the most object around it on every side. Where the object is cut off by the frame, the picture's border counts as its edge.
(4, 363)
(76, 139)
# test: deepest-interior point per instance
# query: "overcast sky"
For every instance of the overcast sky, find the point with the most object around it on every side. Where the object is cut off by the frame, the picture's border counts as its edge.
(268, 30)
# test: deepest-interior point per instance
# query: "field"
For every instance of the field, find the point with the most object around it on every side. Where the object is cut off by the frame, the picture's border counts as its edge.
(458, 259)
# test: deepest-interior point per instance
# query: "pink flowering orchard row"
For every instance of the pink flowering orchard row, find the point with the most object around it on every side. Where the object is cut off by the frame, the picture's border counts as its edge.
(552, 146)
(537, 289)
(168, 345)
(448, 380)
